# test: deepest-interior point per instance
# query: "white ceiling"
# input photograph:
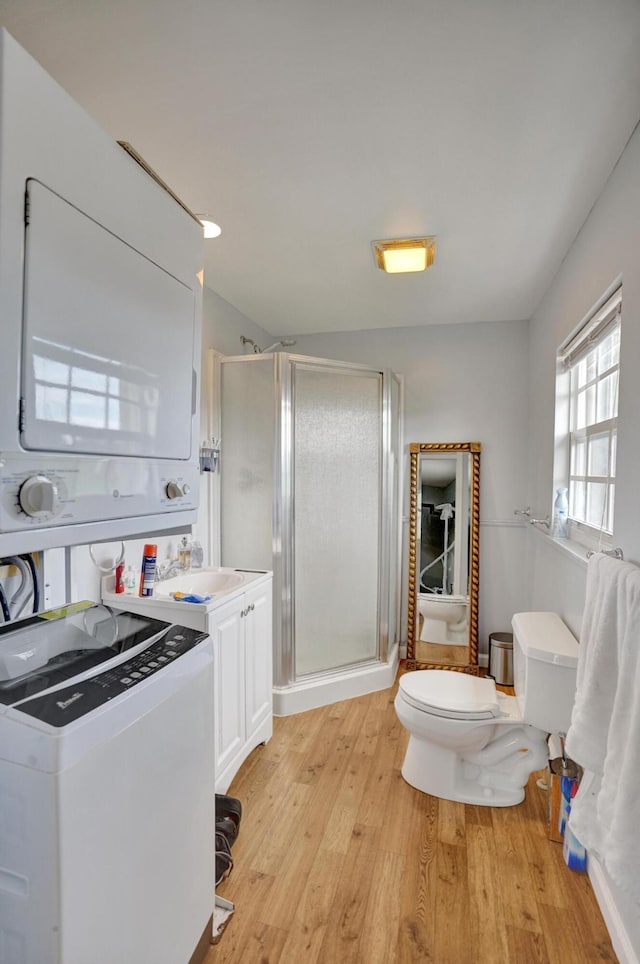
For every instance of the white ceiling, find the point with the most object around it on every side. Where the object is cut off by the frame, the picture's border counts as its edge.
(309, 128)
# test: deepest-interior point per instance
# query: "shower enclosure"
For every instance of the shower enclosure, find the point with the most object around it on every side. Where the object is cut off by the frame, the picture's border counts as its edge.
(309, 488)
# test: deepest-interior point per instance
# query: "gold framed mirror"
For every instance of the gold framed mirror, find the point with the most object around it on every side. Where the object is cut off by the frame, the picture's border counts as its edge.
(444, 556)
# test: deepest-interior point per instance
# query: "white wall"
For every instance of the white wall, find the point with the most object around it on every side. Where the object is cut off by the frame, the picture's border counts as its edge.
(463, 383)
(607, 247)
(222, 325)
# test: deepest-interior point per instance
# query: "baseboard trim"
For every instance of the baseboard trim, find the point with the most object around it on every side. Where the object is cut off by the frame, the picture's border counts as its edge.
(615, 925)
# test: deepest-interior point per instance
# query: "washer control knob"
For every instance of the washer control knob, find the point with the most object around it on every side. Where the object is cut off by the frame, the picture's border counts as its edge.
(38, 496)
(174, 490)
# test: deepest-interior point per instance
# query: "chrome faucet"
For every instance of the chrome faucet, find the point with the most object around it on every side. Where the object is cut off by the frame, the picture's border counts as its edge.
(169, 568)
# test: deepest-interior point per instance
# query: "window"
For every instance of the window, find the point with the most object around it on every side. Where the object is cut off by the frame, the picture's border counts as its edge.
(589, 371)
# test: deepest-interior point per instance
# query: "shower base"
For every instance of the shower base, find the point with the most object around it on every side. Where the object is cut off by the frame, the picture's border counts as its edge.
(310, 693)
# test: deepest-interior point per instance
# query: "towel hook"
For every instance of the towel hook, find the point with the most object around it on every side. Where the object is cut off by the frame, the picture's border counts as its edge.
(540, 522)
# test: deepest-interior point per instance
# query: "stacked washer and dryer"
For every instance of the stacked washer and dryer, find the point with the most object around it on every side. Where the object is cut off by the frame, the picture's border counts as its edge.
(106, 717)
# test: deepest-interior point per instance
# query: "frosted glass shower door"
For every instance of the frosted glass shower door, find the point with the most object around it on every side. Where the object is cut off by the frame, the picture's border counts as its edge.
(337, 425)
(246, 465)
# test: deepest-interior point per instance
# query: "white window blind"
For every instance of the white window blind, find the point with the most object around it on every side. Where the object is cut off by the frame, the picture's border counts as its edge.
(592, 358)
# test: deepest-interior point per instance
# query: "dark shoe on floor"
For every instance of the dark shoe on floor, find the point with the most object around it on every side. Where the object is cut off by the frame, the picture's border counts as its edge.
(228, 827)
(228, 807)
(224, 860)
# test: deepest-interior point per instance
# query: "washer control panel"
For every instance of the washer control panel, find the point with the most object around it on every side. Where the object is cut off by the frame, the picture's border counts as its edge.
(63, 706)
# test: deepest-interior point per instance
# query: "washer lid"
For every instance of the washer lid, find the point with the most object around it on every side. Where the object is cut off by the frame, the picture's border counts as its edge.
(444, 692)
(52, 648)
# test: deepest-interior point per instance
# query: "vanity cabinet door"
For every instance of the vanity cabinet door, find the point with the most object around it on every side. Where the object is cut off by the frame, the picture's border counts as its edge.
(226, 628)
(258, 656)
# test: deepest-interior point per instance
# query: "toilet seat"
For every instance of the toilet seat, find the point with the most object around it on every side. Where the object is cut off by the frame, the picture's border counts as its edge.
(446, 693)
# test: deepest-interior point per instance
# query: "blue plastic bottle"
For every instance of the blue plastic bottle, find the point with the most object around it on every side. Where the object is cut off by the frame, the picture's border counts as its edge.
(560, 515)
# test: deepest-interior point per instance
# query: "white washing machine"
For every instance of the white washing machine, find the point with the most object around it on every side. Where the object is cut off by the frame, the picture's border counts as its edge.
(106, 789)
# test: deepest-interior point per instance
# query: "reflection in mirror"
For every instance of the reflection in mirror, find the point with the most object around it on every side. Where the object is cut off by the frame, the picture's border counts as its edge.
(442, 626)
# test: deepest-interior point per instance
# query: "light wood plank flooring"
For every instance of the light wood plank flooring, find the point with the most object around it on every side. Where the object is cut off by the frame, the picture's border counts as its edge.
(339, 861)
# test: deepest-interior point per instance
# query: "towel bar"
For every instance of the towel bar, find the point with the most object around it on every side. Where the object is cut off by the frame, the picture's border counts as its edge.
(616, 553)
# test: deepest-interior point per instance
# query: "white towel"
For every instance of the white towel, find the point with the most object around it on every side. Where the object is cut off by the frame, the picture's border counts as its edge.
(604, 736)
(597, 678)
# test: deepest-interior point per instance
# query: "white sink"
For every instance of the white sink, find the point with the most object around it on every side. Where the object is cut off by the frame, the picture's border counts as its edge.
(217, 582)
(202, 583)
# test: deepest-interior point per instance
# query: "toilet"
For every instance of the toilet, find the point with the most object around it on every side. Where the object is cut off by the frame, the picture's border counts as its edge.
(473, 744)
(444, 619)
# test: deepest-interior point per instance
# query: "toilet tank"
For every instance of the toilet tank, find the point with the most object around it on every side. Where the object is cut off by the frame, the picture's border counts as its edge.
(545, 660)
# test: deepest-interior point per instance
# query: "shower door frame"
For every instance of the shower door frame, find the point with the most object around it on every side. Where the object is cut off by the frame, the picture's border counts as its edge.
(283, 515)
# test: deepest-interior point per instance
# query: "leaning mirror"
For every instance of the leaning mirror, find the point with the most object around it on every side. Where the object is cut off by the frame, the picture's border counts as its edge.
(444, 536)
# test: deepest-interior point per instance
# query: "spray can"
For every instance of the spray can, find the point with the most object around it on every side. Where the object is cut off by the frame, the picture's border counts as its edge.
(148, 569)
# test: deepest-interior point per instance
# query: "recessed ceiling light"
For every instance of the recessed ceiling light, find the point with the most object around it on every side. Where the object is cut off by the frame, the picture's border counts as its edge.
(405, 254)
(211, 229)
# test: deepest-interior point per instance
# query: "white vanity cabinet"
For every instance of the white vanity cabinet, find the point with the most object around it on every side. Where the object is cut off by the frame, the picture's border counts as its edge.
(241, 632)
(238, 619)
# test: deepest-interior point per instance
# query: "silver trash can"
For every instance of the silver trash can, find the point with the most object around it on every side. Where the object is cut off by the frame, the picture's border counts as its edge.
(501, 658)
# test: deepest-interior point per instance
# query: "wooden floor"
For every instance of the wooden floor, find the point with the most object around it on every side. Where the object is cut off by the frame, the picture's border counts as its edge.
(339, 861)
(441, 653)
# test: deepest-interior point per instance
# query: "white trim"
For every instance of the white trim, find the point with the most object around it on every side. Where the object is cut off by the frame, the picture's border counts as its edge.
(620, 939)
(212, 548)
(504, 523)
(567, 547)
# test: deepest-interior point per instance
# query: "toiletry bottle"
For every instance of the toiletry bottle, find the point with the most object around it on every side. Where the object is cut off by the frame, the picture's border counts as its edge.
(130, 581)
(148, 569)
(120, 578)
(560, 514)
(184, 553)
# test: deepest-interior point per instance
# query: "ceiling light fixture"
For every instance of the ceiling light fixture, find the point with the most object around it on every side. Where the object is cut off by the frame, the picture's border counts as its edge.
(406, 254)
(211, 229)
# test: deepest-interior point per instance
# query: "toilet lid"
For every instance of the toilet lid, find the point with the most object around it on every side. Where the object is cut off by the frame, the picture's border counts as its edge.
(443, 692)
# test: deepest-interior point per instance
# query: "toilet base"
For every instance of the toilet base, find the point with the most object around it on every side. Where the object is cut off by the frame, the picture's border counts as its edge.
(500, 782)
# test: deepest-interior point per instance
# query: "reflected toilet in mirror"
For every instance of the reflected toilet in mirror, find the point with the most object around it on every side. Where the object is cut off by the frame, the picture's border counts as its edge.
(444, 501)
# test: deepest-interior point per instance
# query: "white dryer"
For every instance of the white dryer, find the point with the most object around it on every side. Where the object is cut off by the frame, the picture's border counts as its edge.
(106, 789)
